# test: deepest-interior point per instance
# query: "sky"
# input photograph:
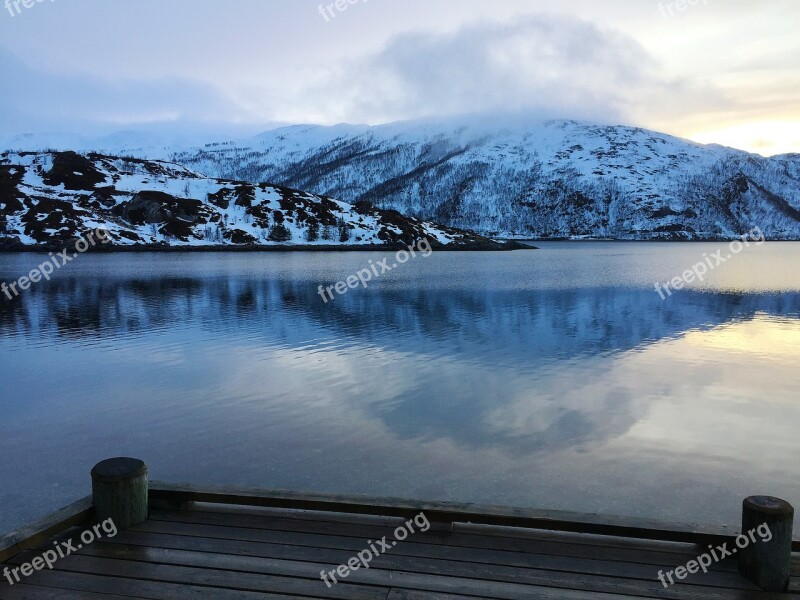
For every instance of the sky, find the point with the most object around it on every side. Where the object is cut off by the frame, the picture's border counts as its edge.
(715, 71)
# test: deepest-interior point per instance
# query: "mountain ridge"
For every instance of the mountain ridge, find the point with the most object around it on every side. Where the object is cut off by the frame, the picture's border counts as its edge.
(50, 198)
(516, 177)
(527, 178)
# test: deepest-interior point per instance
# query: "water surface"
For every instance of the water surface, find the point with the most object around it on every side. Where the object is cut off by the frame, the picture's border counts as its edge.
(555, 378)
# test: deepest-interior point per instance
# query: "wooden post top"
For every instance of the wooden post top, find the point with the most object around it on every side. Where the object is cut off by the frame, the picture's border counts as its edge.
(768, 505)
(116, 469)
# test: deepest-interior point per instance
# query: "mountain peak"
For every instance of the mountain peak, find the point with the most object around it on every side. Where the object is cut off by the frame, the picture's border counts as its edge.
(518, 175)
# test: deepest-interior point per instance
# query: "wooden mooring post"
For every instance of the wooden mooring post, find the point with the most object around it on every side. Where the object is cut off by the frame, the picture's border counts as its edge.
(120, 491)
(766, 557)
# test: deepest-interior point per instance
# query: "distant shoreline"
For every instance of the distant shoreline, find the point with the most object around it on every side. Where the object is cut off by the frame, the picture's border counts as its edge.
(597, 240)
(511, 245)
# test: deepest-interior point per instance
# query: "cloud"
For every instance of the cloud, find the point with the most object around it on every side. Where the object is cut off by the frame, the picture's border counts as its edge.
(552, 66)
(543, 66)
(36, 101)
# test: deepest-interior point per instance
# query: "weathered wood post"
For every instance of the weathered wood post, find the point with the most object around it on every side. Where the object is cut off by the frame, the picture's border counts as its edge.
(766, 559)
(120, 491)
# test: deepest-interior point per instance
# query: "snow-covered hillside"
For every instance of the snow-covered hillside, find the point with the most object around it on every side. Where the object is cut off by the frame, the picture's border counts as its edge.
(50, 197)
(526, 178)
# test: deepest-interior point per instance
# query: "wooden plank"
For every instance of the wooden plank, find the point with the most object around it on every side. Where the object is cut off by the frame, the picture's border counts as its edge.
(296, 580)
(641, 548)
(396, 594)
(447, 512)
(336, 536)
(490, 530)
(361, 529)
(367, 580)
(107, 586)
(582, 545)
(34, 534)
(290, 513)
(34, 592)
(507, 590)
(588, 539)
(535, 594)
(200, 550)
(403, 557)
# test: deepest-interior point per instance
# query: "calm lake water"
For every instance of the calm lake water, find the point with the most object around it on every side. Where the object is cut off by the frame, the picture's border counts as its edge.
(555, 378)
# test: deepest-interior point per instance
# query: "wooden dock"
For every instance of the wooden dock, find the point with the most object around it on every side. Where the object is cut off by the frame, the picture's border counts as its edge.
(226, 544)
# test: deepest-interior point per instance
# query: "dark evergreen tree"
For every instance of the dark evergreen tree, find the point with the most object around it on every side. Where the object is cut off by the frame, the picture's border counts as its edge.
(344, 230)
(312, 233)
(279, 233)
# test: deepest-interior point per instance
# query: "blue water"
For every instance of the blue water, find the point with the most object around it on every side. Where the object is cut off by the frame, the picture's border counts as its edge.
(555, 378)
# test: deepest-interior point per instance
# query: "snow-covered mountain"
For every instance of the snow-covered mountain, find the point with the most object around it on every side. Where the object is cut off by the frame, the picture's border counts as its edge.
(526, 178)
(47, 198)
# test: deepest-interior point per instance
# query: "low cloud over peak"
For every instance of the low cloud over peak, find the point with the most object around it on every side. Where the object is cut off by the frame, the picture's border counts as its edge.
(550, 66)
